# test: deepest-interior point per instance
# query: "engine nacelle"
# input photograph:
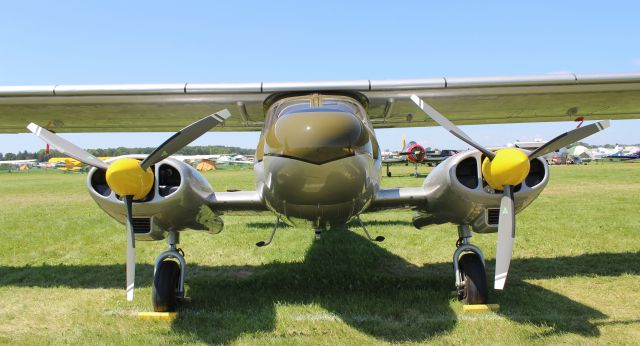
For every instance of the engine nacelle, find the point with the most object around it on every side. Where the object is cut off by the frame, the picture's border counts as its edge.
(177, 201)
(457, 193)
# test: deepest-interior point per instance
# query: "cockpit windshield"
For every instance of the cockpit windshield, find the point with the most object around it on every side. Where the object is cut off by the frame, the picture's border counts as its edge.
(326, 107)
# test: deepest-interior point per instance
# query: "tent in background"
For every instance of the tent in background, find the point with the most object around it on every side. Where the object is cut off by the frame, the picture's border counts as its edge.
(206, 165)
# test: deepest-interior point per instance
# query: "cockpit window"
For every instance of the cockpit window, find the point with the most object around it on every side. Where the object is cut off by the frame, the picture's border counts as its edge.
(302, 105)
(326, 107)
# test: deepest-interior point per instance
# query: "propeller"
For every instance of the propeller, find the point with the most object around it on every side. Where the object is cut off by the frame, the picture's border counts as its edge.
(415, 152)
(503, 170)
(129, 177)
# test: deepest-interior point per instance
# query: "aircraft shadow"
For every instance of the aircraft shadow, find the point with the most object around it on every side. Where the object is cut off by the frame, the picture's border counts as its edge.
(353, 224)
(356, 281)
(266, 225)
(368, 223)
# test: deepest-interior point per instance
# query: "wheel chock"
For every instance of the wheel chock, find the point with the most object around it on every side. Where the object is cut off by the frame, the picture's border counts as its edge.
(158, 316)
(481, 308)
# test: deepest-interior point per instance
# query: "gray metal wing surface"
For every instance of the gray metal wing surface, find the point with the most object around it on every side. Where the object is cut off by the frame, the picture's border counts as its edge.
(473, 100)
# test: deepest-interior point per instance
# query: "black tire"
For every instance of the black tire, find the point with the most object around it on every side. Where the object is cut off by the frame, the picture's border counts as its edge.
(389, 174)
(165, 287)
(475, 278)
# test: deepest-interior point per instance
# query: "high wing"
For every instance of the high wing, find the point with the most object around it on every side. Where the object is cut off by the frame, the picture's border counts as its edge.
(17, 162)
(475, 100)
(393, 159)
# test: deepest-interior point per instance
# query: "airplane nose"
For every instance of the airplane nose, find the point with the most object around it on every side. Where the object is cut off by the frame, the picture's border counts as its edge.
(315, 136)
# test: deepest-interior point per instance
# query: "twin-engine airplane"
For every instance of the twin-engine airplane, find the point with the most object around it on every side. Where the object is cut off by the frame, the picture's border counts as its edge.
(318, 161)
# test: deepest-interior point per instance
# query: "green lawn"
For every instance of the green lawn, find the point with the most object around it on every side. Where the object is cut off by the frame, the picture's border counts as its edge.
(576, 261)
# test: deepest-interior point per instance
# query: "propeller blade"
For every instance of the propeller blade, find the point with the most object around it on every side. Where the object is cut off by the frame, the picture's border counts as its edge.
(183, 137)
(444, 122)
(66, 147)
(131, 248)
(568, 138)
(506, 237)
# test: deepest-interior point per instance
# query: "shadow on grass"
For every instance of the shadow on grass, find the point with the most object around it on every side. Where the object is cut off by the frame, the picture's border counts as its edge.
(267, 225)
(354, 225)
(365, 286)
(368, 223)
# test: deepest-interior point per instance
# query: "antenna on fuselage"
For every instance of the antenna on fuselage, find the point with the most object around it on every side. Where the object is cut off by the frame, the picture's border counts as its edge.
(378, 238)
(273, 233)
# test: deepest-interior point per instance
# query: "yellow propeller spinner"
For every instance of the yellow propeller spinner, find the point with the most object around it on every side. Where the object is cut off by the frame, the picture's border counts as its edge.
(127, 178)
(510, 166)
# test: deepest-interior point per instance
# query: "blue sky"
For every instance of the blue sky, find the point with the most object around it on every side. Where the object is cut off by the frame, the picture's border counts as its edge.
(90, 42)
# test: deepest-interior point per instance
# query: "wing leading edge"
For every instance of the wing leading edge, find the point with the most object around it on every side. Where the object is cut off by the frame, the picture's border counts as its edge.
(476, 100)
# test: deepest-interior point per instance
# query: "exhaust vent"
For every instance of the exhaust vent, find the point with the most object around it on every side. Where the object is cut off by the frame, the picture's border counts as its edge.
(493, 216)
(141, 225)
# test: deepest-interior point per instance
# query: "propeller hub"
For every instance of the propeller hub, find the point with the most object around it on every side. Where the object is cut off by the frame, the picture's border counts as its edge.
(126, 178)
(509, 167)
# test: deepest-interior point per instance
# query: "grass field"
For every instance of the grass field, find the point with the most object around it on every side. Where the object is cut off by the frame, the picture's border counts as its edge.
(576, 261)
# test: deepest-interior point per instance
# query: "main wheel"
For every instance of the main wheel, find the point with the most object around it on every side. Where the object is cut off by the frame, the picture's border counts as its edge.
(475, 279)
(389, 174)
(165, 287)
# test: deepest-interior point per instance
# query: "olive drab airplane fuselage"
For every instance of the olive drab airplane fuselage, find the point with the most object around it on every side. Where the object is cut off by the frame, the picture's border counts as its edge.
(318, 161)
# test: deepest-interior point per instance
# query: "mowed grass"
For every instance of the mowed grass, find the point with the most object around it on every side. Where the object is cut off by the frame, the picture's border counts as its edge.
(574, 277)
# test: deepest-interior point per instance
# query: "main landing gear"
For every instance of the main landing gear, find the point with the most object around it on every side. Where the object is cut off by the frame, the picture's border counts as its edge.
(468, 264)
(168, 277)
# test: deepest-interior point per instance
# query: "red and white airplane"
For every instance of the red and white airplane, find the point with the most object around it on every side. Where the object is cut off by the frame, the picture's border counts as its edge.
(416, 154)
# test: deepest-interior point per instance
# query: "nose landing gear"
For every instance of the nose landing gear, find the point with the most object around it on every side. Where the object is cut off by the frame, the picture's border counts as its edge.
(168, 277)
(468, 264)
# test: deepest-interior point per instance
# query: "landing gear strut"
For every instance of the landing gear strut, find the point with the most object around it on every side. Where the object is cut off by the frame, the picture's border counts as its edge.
(168, 277)
(468, 264)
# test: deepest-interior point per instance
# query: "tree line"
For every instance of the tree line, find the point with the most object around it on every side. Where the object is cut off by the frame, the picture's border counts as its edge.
(41, 156)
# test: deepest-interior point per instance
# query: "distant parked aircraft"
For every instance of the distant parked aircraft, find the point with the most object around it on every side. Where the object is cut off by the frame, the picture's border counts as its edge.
(416, 154)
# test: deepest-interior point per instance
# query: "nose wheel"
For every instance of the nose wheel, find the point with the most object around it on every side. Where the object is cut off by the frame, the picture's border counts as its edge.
(468, 264)
(168, 277)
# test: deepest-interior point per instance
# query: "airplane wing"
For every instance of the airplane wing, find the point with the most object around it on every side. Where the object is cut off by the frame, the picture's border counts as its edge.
(236, 202)
(16, 162)
(393, 160)
(402, 197)
(475, 100)
(435, 158)
(236, 162)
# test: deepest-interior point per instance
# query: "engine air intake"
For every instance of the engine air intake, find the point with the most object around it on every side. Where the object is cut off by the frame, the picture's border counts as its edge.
(467, 172)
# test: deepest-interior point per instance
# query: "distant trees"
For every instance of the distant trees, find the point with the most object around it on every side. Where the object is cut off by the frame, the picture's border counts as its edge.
(41, 156)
